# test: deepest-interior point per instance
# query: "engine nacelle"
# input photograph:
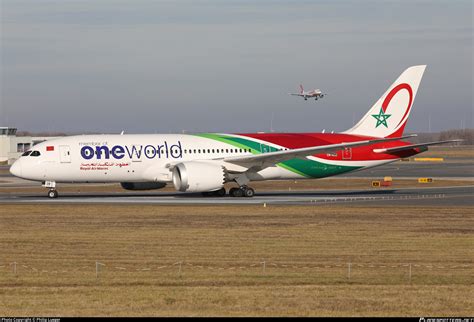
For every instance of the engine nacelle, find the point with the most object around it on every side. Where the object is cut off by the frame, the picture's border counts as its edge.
(195, 176)
(142, 185)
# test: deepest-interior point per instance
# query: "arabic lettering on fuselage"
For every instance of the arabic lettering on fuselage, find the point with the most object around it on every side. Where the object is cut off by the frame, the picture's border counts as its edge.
(118, 151)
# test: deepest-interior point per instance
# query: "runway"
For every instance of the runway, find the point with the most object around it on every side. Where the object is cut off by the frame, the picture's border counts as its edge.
(449, 196)
(400, 169)
(442, 196)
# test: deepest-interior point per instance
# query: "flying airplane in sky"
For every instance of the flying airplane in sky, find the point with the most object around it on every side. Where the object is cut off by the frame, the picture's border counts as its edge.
(315, 93)
(204, 162)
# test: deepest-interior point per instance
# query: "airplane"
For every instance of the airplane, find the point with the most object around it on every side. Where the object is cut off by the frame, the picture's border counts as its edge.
(204, 162)
(316, 93)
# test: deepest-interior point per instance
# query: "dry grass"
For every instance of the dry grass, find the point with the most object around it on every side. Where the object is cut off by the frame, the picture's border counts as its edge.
(56, 246)
(449, 152)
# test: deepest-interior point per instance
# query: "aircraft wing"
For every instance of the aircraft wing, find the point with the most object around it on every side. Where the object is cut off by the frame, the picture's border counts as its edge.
(296, 94)
(269, 159)
(412, 146)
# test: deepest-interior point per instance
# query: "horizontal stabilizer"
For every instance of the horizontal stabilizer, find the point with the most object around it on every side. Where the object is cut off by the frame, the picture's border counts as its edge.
(412, 146)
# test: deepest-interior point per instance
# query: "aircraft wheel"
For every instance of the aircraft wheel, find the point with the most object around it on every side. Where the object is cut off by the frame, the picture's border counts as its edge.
(239, 193)
(221, 192)
(236, 192)
(249, 192)
(232, 192)
(52, 193)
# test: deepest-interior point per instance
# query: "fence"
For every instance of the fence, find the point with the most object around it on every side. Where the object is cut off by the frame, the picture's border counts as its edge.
(263, 268)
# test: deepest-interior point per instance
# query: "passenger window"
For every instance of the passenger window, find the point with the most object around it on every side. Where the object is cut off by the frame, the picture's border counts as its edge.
(35, 154)
(27, 153)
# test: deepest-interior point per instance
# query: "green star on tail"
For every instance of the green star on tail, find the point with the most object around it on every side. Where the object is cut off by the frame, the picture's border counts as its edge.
(381, 118)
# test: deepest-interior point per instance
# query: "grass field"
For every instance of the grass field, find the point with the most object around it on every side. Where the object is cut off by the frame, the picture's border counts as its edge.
(449, 152)
(201, 261)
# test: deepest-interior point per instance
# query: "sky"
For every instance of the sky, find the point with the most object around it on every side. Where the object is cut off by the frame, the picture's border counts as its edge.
(146, 66)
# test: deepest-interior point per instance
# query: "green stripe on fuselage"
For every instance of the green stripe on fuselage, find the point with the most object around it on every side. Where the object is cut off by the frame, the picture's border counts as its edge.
(304, 167)
(237, 142)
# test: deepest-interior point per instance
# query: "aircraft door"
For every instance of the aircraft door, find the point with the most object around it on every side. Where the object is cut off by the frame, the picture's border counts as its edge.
(64, 154)
(347, 154)
(264, 148)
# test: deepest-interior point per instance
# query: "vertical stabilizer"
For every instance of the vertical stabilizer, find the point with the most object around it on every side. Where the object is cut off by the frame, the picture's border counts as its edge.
(389, 115)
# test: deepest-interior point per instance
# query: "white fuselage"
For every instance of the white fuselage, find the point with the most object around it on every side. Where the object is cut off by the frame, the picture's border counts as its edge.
(128, 158)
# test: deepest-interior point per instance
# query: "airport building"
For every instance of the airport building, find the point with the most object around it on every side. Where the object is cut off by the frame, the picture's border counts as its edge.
(12, 146)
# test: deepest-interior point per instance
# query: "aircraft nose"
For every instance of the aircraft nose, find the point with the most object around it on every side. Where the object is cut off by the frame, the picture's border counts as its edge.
(15, 169)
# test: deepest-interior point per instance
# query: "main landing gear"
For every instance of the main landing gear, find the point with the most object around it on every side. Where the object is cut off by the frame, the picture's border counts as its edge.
(218, 193)
(243, 191)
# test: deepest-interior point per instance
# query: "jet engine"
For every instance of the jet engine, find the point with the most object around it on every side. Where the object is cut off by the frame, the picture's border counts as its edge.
(195, 176)
(142, 185)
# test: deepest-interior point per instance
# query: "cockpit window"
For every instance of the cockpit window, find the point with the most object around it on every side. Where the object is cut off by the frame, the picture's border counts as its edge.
(35, 154)
(27, 153)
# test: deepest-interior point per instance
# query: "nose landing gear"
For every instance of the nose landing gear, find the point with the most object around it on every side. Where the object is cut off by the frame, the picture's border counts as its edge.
(52, 193)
